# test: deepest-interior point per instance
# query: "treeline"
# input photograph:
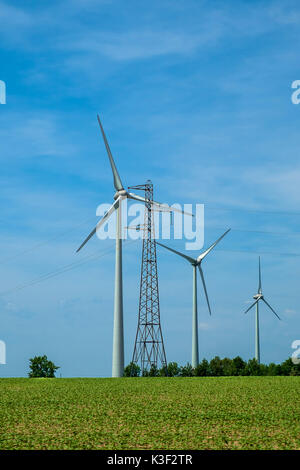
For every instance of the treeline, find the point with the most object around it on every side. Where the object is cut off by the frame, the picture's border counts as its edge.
(217, 367)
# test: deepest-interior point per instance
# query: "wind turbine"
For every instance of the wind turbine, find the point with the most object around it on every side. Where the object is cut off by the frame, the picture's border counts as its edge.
(259, 296)
(196, 263)
(121, 193)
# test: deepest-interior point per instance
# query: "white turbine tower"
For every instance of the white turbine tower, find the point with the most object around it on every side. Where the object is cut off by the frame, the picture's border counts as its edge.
(121, 193)
(196, 263)
(259, 296)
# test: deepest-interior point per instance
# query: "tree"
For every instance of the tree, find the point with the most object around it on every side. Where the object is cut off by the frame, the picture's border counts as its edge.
(253, 367)
(153, 372)
(295, 371)
(132, 370)
(173, 369)
(272, 369)
(216, 367)
(202, 369)
(41, 367)
(238, 365)
(228, 366)
(264, 369)
(289, 368)
(186, 371)
(163, 372)
(286, 367)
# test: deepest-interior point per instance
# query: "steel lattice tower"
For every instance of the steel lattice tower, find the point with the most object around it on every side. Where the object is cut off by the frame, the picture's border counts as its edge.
(149, 350)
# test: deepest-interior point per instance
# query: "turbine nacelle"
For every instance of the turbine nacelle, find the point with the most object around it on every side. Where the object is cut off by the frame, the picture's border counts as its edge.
(120, 193)
(258, 296)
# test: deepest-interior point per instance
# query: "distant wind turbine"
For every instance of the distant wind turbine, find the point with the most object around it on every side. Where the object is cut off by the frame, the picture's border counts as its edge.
(121, 193)
(196, 263)
(259, 296)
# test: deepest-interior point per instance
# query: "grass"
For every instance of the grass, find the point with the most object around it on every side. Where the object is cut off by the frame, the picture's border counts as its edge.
(150, 413)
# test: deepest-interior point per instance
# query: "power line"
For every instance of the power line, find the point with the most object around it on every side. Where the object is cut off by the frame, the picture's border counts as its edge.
(256, 211)
(273, 253)
(96, 255)
(43, 243)
(91, 257)
(68, 267)
(268, 232)
(48, 275)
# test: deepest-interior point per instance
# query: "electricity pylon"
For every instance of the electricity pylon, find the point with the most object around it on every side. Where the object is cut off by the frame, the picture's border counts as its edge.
(149, 350)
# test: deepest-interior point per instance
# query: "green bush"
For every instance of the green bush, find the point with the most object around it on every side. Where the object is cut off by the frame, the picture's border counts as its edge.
(132, 370)
(41, 367)
(186, 371)
(202, 369)
(173, 369)
(218, 367)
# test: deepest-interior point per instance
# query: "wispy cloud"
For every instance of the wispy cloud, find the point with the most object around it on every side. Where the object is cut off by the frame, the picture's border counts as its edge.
(139, 44)
(210, 25)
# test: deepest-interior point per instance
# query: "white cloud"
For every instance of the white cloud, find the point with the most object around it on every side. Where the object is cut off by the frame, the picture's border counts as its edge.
(133, 43)
(290, 312)
(286, 13)
(204, 326)
(12, 16)
(33, 134)
(183, 34)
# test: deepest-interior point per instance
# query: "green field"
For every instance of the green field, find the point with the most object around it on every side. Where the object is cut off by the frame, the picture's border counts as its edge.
(150, 413)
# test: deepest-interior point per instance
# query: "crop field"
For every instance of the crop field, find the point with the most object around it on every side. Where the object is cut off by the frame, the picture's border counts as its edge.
(150, 413)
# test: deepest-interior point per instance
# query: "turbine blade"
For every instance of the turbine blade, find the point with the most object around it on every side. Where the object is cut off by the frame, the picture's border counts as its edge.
(249, 308)
(101, 222)
(202, 255)
(117, 180)
(204, 286)
(136, 197)
(188, 258)
(166, 207)
(271, 308)
(259, 276)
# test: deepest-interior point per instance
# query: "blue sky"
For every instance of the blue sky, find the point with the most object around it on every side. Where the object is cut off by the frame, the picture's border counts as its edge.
(194, 95)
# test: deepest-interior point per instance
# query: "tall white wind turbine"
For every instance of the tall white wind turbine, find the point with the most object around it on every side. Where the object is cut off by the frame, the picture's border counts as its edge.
(121, 194)
(196, 263)
(259, 296)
